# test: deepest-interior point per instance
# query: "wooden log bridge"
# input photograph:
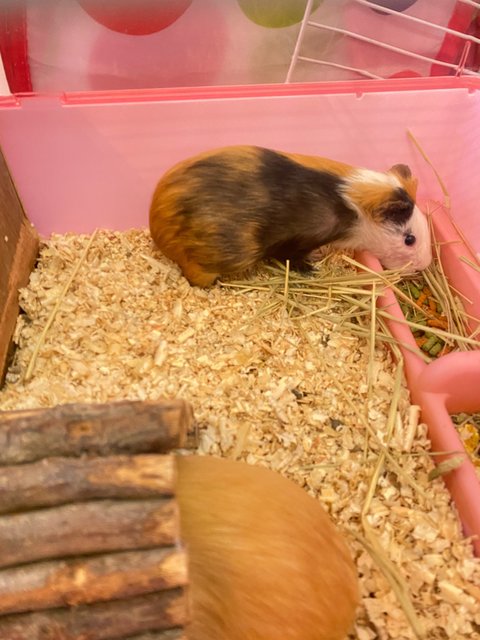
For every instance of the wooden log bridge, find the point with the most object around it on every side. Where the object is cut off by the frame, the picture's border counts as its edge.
(90, 542)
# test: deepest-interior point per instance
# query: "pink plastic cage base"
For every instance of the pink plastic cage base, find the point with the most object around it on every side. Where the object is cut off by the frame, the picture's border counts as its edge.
(82, 161)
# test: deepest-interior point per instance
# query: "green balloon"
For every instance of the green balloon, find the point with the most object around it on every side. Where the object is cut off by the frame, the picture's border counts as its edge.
(275, 14)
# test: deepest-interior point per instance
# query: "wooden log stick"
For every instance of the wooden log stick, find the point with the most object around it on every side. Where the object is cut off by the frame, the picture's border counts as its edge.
(118, 576)
(84, 528)
(101, 621)
(55, 481)
(102, 429)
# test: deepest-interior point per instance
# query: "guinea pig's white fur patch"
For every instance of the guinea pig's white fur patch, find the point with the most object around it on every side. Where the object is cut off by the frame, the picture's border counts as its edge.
(387, 242)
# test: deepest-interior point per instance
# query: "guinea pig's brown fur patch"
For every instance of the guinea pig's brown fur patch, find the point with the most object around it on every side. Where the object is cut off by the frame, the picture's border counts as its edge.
(174, 233)
(370, 198)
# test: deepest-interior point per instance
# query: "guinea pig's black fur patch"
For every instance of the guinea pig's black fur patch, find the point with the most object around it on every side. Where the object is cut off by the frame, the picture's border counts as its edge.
(305, 208)
(290, 208)
(399, 209)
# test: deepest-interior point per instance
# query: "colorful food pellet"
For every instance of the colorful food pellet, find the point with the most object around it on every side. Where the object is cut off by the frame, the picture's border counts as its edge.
(468, 427)
(425, 310)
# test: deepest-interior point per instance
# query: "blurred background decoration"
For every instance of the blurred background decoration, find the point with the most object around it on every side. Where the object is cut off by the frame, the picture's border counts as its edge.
(89, 45)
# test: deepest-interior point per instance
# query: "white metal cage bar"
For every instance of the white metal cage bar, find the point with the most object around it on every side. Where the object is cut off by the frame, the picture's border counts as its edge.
(298, 44)
(458, 68)
(336, 65)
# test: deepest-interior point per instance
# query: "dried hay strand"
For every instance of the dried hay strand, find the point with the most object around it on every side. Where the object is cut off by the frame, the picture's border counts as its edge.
(303, 294)
(277, 377)
(51, 318)
(427, 159)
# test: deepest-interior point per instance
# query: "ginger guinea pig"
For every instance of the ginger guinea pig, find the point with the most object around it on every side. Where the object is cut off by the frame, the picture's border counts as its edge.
(265, 560)
(225, 210)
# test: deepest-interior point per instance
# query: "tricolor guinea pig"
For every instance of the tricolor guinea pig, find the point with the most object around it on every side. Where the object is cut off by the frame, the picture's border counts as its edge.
(265, 560)
(224, 211)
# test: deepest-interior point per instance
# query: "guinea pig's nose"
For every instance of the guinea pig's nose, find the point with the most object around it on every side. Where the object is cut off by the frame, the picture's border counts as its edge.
(424, 260)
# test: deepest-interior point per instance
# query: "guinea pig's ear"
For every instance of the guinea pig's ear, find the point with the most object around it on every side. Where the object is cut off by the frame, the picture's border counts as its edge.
(409, 183)
(401, 170)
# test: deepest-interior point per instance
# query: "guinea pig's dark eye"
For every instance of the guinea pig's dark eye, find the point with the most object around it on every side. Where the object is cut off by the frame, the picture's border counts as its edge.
(410, 239)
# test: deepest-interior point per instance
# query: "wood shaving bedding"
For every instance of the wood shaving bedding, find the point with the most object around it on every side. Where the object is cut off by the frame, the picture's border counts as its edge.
(266, 390)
